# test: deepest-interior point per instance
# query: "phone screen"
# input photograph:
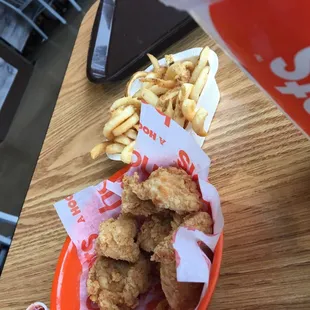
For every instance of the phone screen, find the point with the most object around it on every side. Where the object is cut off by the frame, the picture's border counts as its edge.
(128, 29)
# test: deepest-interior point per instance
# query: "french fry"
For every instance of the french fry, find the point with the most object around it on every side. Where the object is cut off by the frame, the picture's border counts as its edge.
(115, 148)
(169, 60)
(137, 94)
(117, 111)
(131, 133)
(149, 97)
(202, 62)
(199, 84)
(136, 127)
(170, 94)
(99, 150)
(116, 121)
(178, 115)
(134, 77)
(129, 123)
(188, 65)
(178, 71)
(154, 62)
(151, 75)
(124, 102)
(122, 139)
(161, 82)
(188, 109)
(198, 122)
(161, 71)
(185, 91)
(169, 111)
(158, 90)
(127, 153)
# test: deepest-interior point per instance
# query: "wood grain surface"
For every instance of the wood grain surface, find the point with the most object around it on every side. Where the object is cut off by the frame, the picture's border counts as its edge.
(260, 165)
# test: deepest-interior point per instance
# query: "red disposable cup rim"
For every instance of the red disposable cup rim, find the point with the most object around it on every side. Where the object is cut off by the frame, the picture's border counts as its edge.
(65, 290)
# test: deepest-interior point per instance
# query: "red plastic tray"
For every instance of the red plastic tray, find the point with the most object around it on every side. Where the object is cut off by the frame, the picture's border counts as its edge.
(66, 291)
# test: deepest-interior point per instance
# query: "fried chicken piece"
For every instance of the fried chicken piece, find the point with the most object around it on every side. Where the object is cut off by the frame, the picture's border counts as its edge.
(169, 188)
(116, 239)
(164, 251)
(153, 231)
(132, 204)
(116, 285)
(163, 305)
(180, 295)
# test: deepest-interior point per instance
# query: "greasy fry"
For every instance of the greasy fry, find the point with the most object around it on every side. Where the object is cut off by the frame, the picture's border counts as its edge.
(188, 65)
(134, 77)
(122, 139)
(177, 71)
(99, 150)
(131, 133)
(160, 82)
(151, 75)
(154, 62)
(185, 91)
(115, 148)
(117, 111)
(169, 111)
(170, 94)
(158, 90)
(178, 115)
(169, 60)
(200, 83)
(136, 127)
(116, 121)
(131, 121)
(198, 122)
(137, 94)
(149, 97)
(202, 62)
(127, 153)
(188, 109)
(124, 102)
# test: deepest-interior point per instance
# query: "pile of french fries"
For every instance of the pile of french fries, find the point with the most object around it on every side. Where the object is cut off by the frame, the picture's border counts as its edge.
(173, 89)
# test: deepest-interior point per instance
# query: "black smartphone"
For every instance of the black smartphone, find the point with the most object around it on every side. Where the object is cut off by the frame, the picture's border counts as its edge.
(125, 30)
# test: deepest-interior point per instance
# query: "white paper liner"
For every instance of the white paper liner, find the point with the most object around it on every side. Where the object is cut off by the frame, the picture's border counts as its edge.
(209, 98)
(160, 142)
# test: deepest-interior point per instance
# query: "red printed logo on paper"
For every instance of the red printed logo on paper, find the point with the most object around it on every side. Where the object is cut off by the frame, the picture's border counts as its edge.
(105, 194)
(271, 41)
(74, 208)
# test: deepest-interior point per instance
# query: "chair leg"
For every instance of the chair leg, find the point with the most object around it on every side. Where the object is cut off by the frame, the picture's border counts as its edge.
(76, 6)
(30, 21)
(52, 11)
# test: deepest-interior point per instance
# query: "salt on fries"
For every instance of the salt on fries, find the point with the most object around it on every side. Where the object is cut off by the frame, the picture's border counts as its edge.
(174, 89)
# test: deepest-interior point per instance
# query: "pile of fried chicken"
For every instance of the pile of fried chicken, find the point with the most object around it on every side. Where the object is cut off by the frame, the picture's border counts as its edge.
(167, 200)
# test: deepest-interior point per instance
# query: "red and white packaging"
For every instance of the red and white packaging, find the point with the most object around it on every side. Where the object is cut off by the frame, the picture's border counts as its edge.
(269, 40)
(160, 142)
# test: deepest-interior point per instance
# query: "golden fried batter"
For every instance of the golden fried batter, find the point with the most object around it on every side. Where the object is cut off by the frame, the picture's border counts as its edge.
(116, 239)
(153, 231)
(116, 285)
(168, 188)
(180, 295)
(132, 204)
(164, 251)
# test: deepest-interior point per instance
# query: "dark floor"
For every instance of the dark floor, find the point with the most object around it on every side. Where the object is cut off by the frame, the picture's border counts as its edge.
(20, 151)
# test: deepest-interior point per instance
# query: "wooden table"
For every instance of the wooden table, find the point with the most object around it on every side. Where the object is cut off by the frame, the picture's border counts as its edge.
(260, 165)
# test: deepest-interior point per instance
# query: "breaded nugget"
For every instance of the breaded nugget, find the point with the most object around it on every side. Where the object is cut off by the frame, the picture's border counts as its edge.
(168, 188)
(180, 295)
(153, 231)
(164, 251)
(116, 239)
(132, 204)
(116, 285)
